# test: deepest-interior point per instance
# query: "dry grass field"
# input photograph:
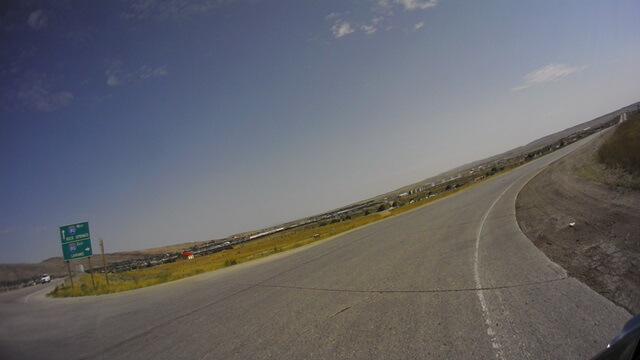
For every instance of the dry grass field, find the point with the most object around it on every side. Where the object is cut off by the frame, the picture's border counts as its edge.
(622, 149)
(617, 160)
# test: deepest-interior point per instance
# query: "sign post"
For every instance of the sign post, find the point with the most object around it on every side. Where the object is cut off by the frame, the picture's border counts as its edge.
(104, 262)
(93, 282)
(70, 276)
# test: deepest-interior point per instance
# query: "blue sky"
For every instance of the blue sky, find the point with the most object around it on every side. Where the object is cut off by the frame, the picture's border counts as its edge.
(164, 122)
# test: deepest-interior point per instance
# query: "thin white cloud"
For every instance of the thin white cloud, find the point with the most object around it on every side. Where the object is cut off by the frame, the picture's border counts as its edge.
(335, 15)
(368, 29)
(146, 72)
(81, 37)
(170, 9)
(384, 6)
(383, 12)
(411, 5)
(37, 19)
(38, 229)
(341, 29)
(113, 80)
(549, 73)
(117, 75)
(114, 73)
(34, 91)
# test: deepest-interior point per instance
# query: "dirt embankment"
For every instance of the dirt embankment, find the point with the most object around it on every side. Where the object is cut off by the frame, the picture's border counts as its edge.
(602, 248)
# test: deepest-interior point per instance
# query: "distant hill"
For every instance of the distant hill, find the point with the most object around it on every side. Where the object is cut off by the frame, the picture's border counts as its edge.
(548, 139)
(536, 144)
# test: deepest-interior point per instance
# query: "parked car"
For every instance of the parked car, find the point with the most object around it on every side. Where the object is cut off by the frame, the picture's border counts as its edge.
(45, 278)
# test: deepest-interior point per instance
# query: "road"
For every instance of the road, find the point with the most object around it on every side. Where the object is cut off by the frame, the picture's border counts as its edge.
(453, 279)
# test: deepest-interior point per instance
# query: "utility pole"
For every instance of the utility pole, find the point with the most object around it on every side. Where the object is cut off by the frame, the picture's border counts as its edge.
(104, 262)
(93, 282)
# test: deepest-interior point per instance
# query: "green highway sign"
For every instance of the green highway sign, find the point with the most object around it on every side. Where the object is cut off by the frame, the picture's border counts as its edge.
(74, 232)
(77, 249)
(76, 241)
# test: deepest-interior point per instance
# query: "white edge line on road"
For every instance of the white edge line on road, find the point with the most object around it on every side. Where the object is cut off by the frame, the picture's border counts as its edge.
(485, 311)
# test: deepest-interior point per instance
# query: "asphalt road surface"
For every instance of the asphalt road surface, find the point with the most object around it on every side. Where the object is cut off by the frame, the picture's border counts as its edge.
(454, 279)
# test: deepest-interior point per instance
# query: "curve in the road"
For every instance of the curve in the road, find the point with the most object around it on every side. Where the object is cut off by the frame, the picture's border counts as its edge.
(452, 279)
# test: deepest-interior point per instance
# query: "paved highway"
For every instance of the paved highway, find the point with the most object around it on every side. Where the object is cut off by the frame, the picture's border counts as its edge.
(453, 279)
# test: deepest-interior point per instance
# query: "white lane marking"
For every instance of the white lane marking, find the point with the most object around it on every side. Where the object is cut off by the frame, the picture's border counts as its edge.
(485, 311)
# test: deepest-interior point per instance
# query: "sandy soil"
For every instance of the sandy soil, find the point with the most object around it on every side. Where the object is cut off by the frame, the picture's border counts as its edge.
(602, 249)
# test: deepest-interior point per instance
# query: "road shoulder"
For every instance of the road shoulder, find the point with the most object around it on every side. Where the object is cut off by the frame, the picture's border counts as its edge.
(590, 229)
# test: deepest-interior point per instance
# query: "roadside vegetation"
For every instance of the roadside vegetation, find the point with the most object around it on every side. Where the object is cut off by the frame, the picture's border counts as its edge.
(617, 161)
(622, 149)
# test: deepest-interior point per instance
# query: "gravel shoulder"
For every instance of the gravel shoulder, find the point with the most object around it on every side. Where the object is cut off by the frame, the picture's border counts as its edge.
(602, 249)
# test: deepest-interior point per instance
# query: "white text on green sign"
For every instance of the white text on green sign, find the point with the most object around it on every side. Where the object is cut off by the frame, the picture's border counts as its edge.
(74, 232)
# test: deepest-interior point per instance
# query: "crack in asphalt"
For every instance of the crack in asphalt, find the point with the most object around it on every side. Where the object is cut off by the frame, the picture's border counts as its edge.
(499, 287)
(248, 287)
(341, 311)
(464, 223)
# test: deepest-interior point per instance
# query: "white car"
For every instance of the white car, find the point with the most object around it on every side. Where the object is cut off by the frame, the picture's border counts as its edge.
(45, 278)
